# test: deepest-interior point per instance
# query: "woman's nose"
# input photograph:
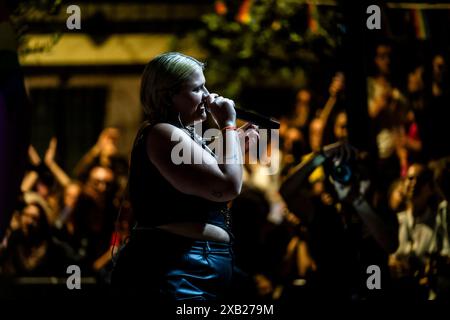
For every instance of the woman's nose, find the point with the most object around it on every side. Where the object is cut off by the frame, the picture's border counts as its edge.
(205, 92)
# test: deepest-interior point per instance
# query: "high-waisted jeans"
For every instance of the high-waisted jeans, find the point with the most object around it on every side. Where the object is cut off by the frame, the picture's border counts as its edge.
(168, 267)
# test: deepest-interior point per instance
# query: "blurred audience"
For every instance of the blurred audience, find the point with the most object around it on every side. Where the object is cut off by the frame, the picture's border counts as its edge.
(308, 231)
(31, 249)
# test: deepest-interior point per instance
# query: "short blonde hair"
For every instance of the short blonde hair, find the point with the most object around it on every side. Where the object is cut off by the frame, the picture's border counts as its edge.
(162, 78)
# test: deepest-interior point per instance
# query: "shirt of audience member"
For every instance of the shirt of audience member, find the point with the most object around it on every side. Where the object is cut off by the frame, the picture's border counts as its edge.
(442, 234)
(71, 193)
(442, 231)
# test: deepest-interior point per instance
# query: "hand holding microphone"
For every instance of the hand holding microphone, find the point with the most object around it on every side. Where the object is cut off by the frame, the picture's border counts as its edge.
(224, 112)
(220, 107)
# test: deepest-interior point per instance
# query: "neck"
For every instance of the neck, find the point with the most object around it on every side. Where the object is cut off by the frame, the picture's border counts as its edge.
(178, 121)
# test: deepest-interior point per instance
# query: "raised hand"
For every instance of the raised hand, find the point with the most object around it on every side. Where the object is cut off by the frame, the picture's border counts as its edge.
(51, 151)
(34, 156)
(250, 133)
(54, 168)
(222, 109)
(337, 84)
(107, 142)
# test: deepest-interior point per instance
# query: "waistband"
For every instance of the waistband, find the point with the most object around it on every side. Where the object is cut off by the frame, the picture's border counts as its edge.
(154, 234)
(220, 218)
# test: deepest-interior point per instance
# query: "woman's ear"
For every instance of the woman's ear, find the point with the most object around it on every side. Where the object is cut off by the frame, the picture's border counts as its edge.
(167, 99)
(171, 101)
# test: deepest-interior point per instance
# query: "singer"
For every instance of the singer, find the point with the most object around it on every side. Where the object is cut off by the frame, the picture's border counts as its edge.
(180, 248)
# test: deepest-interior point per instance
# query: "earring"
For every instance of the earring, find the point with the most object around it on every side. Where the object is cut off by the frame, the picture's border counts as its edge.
(179, 119)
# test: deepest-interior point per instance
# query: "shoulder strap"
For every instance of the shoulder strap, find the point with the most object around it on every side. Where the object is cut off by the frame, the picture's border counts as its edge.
(141, 132)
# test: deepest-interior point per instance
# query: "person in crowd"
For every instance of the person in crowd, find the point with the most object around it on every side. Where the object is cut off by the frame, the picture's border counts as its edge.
(386, 107)
(411, 260)
(31, 248)
(434, 119)
(42, 177)
(342, 224)
(441, 263)
(93, 216)
(105, 153)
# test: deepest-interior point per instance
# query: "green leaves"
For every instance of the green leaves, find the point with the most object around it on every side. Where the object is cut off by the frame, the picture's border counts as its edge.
(34, 10)
(270, 47)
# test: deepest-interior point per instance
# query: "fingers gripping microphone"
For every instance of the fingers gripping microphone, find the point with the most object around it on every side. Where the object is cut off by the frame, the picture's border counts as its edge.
(256, 118)
(253, 117)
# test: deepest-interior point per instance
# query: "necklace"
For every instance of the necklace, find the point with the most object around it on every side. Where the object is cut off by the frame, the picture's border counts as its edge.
(194, 136)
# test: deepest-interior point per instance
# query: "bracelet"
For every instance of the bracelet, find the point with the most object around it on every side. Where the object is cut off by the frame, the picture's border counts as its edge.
(228, 128)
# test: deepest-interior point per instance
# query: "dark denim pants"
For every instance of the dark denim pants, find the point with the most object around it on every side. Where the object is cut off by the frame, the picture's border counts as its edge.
(168, 267)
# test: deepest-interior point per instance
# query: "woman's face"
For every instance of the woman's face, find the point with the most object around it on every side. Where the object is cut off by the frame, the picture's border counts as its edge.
(383, 59)
(415, 81)
(340, 126)
(29, 218)
(42, 189)
(189, 101)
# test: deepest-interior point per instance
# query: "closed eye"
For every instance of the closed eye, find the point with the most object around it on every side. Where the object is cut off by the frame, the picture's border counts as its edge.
(196, 89)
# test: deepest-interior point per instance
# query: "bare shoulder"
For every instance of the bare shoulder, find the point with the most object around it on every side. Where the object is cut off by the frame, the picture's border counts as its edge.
(160, 130)
(163, 133)
(161, 138)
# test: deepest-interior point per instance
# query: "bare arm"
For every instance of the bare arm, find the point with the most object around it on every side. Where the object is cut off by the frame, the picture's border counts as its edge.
(325, 114)
(28, 181)
(336, 86)
(384, 233)
(299, 175)
(82, 166)
(62, 178)
(103, 150)
(207, 179)
(31, 177)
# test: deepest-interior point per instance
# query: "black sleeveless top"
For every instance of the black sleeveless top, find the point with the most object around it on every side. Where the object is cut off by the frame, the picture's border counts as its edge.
(156, 202)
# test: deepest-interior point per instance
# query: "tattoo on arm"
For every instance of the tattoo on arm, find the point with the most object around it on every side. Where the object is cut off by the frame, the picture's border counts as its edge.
(217, 194)
(231, 159)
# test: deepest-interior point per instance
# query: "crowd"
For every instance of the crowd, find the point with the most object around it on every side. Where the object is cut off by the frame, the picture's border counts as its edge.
(309, 231)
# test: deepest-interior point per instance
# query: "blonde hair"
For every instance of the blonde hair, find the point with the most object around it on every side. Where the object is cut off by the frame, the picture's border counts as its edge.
(162, 78)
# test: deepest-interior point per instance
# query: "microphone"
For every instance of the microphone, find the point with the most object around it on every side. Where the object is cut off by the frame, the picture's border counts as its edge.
(256, 118)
